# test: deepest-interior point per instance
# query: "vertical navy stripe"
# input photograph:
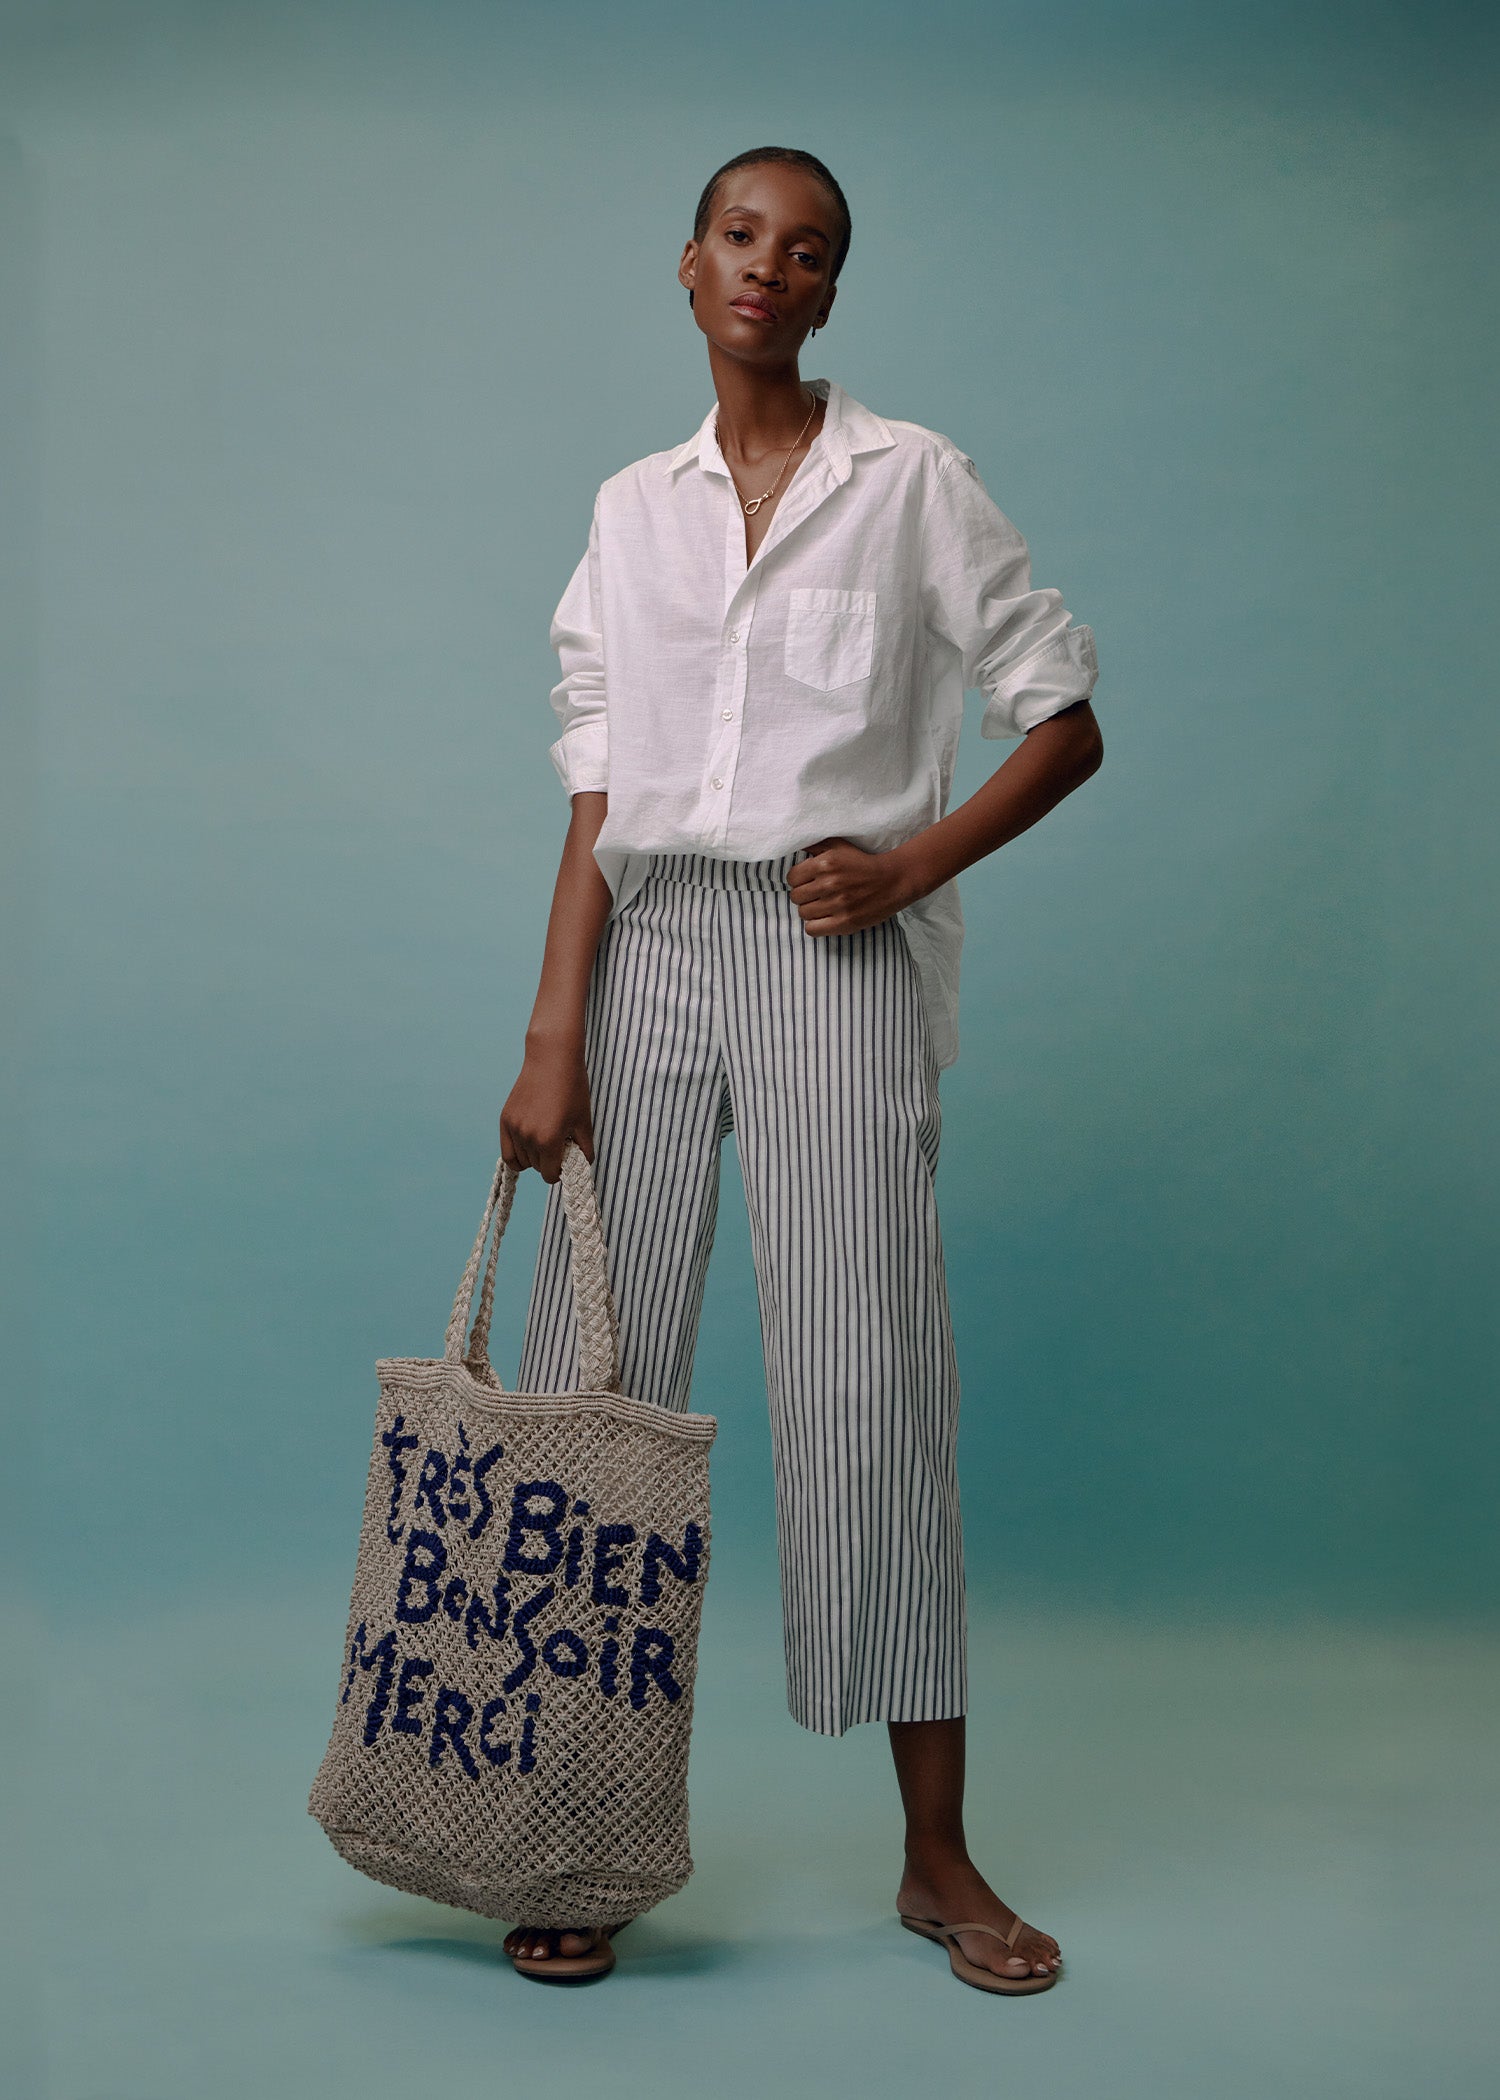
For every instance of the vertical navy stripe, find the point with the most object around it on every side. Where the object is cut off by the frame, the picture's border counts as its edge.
(710, 1009)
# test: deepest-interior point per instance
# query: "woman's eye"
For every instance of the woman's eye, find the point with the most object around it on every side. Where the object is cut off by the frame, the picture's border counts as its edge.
(737, 234)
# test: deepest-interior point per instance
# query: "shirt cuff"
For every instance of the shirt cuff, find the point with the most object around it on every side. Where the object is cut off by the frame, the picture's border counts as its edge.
(581, 756)
(1061, 672)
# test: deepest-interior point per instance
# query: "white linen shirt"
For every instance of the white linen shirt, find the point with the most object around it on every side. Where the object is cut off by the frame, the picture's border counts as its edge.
(746, 711)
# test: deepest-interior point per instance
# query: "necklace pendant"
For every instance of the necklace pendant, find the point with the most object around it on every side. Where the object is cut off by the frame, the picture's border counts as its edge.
(753, 506)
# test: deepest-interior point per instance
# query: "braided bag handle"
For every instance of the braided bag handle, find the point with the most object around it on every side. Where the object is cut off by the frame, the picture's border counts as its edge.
(598, 1320)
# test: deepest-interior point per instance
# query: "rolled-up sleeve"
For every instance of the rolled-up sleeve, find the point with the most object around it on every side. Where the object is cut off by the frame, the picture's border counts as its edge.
(1018, 645)
(581, 753)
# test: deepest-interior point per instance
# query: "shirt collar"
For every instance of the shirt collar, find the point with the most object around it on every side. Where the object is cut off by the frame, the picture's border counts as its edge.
(848, 428)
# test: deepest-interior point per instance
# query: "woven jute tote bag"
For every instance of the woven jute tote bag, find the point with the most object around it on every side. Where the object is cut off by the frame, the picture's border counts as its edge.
(516, 1697)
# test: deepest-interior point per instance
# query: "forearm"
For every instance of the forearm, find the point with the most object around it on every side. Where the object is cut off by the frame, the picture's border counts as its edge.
(1046, 766)
(580, 907)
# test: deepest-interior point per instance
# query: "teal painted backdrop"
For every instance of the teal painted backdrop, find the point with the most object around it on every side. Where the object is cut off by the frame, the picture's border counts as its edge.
(327, 339)
(322, 325)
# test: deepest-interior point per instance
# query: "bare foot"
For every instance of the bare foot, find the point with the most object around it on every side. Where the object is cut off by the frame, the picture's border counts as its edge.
(949, 1890)
(541, 1942)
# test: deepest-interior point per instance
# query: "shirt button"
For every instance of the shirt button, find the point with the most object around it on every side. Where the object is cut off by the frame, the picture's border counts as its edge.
(734, 634)
(728, 714)
(717, 782)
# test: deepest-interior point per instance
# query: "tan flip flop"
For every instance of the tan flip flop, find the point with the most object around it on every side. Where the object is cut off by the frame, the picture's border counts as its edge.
(570, 1968)
(969, 1972)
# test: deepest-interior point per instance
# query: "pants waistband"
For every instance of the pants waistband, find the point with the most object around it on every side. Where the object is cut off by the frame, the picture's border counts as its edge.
(712, 873)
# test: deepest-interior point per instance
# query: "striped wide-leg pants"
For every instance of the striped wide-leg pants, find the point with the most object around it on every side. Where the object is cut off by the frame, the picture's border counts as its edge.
(710, 1008)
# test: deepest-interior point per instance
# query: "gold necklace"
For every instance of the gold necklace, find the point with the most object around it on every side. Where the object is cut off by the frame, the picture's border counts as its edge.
(755, 502)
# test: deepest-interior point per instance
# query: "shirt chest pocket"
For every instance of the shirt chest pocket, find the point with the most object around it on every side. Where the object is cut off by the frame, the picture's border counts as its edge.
(830, 637)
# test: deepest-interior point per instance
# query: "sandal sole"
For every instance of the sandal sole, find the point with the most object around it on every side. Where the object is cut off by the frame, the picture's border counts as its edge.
(568, 1968)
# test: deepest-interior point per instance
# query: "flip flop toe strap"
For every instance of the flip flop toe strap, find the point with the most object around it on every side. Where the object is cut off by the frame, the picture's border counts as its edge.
(1017, 1927)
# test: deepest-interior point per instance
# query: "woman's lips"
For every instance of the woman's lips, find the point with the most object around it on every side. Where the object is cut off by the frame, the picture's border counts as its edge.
(753, 309)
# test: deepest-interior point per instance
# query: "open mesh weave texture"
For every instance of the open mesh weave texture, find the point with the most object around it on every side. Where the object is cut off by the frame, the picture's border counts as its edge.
(597, 1829)
(515, 1703)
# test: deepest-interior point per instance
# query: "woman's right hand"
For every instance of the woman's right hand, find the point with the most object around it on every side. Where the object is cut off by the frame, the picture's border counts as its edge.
(548, 1105)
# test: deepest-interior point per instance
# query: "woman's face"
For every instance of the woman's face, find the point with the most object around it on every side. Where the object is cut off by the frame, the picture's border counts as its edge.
(760, 275)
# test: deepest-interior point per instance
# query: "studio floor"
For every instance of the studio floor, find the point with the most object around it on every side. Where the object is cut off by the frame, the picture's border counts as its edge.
(1269, 1854)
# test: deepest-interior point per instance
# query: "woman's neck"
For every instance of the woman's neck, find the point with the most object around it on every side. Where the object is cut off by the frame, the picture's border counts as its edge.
(761, 411)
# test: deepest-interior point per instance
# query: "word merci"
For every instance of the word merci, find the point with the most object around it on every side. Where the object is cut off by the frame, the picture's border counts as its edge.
(451, 1508)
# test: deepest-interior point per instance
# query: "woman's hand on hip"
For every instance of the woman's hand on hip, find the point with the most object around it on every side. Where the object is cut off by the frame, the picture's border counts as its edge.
(840, 888)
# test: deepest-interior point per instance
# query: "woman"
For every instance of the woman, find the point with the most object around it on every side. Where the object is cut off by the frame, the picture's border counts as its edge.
(756, 927)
